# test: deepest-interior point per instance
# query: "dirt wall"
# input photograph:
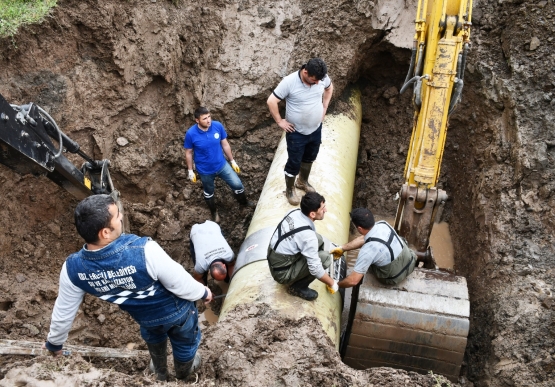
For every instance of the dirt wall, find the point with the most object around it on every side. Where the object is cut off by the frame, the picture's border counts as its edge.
(107, 70)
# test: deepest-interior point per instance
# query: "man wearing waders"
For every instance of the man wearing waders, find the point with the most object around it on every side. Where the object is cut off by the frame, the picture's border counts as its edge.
(296, 254)
(381, 249)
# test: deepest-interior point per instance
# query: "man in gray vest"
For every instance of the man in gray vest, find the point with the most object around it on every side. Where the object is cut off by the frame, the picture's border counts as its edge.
(296, 254)
(381, 249)
(307, 94)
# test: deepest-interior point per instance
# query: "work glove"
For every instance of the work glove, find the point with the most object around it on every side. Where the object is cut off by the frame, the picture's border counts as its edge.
(337, 253)
(192, 176)
(334, 288)
(235, 166)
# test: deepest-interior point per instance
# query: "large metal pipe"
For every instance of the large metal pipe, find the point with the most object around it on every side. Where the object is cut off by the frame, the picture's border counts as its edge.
(333, 176)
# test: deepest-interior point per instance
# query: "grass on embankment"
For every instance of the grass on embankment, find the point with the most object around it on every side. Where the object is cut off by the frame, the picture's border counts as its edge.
(15, 13)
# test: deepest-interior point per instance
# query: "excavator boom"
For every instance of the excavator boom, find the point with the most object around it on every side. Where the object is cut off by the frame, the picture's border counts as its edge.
(422, 323)
(441, 44)
(26, 146)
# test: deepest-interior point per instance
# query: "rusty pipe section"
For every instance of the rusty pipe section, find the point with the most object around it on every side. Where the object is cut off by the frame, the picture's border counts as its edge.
(333, 176)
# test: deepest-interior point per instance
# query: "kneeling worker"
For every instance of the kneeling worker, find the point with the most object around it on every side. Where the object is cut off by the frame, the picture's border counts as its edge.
(381, 249)
(210, 252)
(296, 254)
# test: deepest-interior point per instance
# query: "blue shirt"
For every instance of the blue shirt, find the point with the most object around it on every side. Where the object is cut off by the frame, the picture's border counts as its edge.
(207, 148)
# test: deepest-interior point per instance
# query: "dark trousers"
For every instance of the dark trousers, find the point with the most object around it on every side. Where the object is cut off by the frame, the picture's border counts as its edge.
(302, 148)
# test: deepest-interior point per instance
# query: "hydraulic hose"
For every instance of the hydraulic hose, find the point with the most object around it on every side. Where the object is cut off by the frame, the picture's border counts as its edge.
(463, 62)
(60, 139)
(420, 60)
(412, 60)
(418, 68)
(407, 84)
(457, 91)
(418, 93)
(459, 65)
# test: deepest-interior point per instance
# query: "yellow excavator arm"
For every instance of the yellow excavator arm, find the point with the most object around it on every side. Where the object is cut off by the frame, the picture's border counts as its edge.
(441, 43)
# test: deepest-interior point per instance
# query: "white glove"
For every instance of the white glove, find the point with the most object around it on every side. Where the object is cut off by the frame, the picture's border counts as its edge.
(235, 166)
(334, 288)
(192, 176)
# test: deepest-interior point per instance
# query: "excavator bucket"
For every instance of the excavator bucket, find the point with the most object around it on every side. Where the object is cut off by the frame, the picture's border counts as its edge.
(419, 325)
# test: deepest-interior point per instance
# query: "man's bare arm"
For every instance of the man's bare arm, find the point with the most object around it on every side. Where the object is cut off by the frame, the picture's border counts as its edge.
(327, 98)
(351, 280)
(189, 158)
(227, 149)
(273, 102)
(354, 244)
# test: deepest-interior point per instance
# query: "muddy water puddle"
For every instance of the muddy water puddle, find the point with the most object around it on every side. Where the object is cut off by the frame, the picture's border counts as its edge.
(208, 317)
(440, 240)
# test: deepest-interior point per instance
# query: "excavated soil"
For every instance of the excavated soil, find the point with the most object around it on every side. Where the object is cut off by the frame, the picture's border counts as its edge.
(123, 77)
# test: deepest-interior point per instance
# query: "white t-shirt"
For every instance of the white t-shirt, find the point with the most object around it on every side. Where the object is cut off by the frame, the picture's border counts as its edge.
(209, 245)
(304, 105)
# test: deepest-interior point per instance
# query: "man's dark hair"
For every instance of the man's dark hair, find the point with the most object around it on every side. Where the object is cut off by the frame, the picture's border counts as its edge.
(200, 111)
(316, 67)
(311, 202)
(362, 217)
(92, 215)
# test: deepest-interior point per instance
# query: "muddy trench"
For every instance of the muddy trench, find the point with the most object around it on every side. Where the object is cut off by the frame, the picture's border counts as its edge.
(123, 78)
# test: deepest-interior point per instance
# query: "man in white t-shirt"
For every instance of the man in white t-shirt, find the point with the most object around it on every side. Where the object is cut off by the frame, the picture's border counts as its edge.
(307, 94)
(211, 252)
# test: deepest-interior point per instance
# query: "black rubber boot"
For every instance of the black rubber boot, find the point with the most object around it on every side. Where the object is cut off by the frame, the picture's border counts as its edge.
(301, 289)
(302, 181)
(159, 359)
(242, 199)
(290, 193)
(213, 210)
(183, 370)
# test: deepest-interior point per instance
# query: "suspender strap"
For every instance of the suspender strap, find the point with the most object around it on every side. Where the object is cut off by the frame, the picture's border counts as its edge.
(289, 233)
(388, 243)
(403, 270)
(394, 233)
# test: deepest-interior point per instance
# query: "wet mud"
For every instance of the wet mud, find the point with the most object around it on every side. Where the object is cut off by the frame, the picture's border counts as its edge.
(123, 78)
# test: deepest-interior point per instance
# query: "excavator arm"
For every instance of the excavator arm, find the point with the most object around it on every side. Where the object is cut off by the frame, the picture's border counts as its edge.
(26, 146)
(441, 44)
(422, 323)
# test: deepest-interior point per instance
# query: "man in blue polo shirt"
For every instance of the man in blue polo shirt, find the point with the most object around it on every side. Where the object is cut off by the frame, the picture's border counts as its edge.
(307, 94)
(206, 143)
